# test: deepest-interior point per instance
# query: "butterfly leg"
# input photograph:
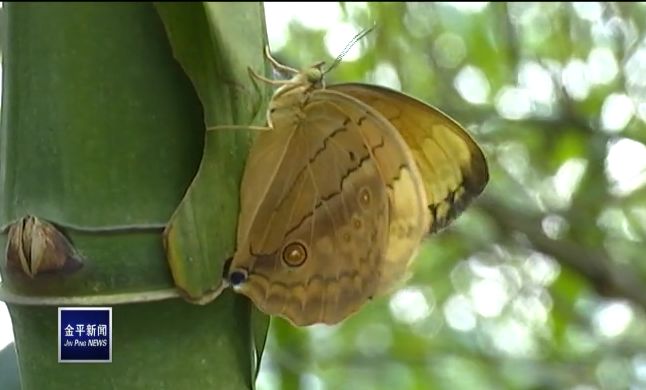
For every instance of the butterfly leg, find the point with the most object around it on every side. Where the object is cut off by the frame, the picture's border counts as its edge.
(264, 79)
(238, 127)
(277, 65)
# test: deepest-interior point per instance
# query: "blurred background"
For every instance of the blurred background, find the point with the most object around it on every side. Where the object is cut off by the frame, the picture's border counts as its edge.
(541, 283)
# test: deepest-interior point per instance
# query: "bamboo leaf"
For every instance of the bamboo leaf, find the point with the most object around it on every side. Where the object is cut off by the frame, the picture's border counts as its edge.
(101, 134)
(217, 67)
(195, 250)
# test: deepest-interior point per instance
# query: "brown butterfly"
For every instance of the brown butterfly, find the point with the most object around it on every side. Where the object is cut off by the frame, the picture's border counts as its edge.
(339, 192)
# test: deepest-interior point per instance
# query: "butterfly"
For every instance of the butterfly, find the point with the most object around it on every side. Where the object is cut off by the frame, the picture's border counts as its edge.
(339, 192)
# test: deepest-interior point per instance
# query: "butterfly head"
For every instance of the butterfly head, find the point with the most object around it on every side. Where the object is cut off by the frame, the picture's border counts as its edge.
(305, 80)
(314, 74)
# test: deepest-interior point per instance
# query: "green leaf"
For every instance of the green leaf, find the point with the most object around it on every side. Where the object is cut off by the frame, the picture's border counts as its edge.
(214, 64)
(217, 67)
(102, 133)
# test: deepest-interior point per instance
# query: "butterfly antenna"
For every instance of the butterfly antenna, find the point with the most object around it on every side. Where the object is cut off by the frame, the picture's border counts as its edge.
(347, 48)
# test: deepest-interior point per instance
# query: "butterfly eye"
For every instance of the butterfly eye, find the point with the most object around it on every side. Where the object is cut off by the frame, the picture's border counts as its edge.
(237, 277)
(294, 254)
(314, 74)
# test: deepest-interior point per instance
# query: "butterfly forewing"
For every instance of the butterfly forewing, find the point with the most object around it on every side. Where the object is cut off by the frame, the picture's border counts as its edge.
(452, 165)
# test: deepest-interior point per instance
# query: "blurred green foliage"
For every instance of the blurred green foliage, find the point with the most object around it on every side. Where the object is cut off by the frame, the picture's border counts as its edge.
(541, 284)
